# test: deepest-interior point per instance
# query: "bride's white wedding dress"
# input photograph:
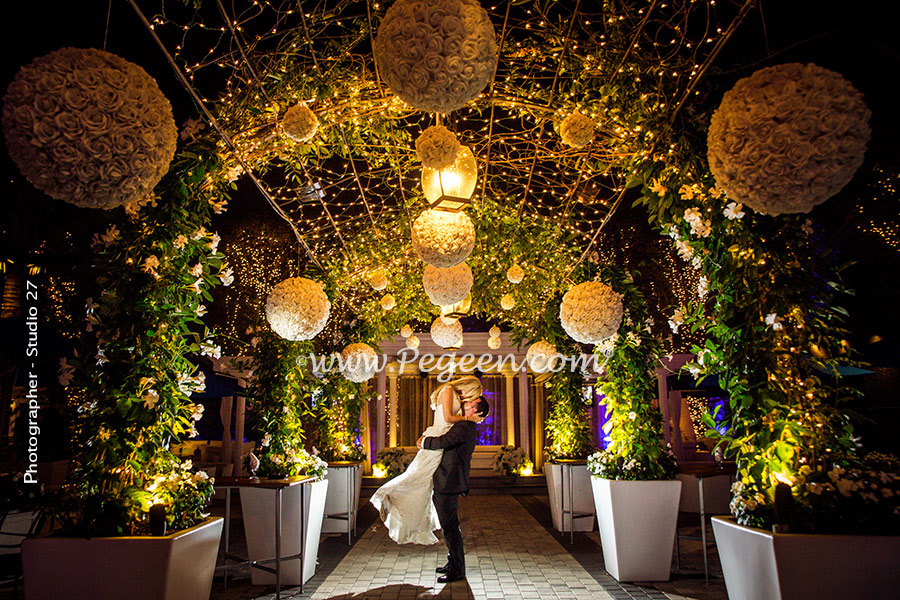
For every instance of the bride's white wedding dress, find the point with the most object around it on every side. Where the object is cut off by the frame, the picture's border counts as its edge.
(405, 501)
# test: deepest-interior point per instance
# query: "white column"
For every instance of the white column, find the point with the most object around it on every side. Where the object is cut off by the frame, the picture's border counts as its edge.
(524, 441)
(663, 385)
(366, 432)
(510, 422)
(239, 434)
(225, 413)
(392, 382)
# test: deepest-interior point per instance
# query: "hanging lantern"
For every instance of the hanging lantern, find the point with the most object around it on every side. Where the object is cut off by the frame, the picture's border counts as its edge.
(451, 188)
(458, 310)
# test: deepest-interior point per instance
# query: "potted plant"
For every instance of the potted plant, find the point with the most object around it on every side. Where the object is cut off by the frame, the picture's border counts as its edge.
(510, 462)
(390, 462)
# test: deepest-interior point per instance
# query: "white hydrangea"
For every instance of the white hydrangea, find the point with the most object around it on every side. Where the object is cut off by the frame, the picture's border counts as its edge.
(507, 302)
(443, 239)
(300, 123)
(494, 343)
(542, 357)
(359, 362)
(591, 312)
(447, 335)
(436, 55)
(437, 147)
(447, 286)
(388, 302)
(89, 128)
(515, 274)
(412, 342)
(577, 130)
(494, 331)
(378, 280)
(787, 138)
(406, 331)
(297, 309)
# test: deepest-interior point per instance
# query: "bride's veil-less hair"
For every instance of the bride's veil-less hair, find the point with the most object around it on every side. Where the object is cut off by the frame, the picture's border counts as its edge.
(461, 385)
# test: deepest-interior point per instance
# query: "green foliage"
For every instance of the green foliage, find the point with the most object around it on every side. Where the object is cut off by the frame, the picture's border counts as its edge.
(393, 460)
(339, 431)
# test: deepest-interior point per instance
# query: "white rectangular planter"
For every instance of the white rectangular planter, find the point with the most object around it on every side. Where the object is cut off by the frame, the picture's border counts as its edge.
(637, 527)
(172, 567)
(338, 495)
(760, 565)
(258, 508)
(15, 527)
(582, 498)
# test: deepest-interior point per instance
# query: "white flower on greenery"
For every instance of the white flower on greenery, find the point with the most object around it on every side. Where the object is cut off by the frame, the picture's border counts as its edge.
(213, 243)
(89, 128)
(192, 432)
(677, 320)
(733, 211)
(438, 55)
(195, 287)
(633, 338)
(787, 138)
(388, 302)
(437, 147)
(807, 228)
(699, 226)
(632, 415)
(447, 286)
(111, 235)
(210, 349)
(684, 249)
(66, 372)
(443, 239)
(233, 173)
(695, 370)
(359, 362)
(150, 398)
(542, 357)
(591, 311)
(219, 207)
(577, 130)
(702, 287)
(196, 270)
(200, 310)
(197, 412)
(658, 188)
(200, 234)
(180, 242)
(151, 263)
(226, 276)
(190, 128)
(515, 274)
(297, 309)
(607, 346)
(300, 123)
(267, 439)
(507, 302)
(696, 262)
(687, 192)
(774, 321)
(446, 335)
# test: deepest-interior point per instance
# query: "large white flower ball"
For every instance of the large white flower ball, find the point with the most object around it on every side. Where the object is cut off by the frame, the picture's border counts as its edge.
(359, 362)
(494, 343)
(447, 286)
(542, 357)
(787, 138)
(436, 55)
(406, 331)
(507, 302)
(297, 309)
(443, 239)
(88, 127)
(591, 312)
(515, 274)
(447, 335)
(412, 342)
(494, 331)
(300, 123)
(378, 280)
(577, 130)
(388, 302)
(437, 147)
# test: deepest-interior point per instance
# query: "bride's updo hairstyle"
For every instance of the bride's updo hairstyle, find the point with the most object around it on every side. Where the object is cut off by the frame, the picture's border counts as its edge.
(468, 385)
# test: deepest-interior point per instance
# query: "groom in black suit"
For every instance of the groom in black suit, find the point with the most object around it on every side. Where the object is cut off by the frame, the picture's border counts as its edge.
(451, 479)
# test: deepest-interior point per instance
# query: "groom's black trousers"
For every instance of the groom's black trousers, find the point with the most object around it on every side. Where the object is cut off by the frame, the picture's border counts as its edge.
(447, 507)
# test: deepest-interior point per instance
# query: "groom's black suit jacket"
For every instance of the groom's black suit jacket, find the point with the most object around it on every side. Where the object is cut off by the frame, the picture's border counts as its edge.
(458, 444)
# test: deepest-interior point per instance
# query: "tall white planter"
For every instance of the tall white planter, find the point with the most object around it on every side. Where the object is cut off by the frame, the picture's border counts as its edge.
(637, 527)
(760, 565)
(172, 567)
(582, 497)
(258, 508)
(338, 495)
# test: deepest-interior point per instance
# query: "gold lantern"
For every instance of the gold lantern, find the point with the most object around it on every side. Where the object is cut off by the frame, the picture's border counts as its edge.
(458, 310)
(451, 188)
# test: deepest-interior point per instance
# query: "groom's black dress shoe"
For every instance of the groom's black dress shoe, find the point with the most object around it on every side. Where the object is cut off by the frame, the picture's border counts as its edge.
(448, 578)
(442, 570)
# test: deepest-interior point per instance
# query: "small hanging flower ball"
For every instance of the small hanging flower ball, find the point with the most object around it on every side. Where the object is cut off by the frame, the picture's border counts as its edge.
(507, 302)
(437, 147)
(447, 335)
(542, 357)
(297, 309)
(494, 331)
(577, 130)
(515, 274)
(388, 302)
(591, 312)
(378, 280)
(447, 286)
(406, 331)
(300, 123)
(443, 239)
(494, 343)
(412, 342)
(359, 362)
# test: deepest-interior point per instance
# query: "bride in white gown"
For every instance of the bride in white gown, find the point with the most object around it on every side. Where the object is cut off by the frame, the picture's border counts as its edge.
(404, 502)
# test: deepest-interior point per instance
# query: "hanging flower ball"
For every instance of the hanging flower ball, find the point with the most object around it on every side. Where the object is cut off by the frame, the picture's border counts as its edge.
(437, 147)
(591, 312)
(443, 239)
(359, 362)
(507, 302)
(388, 302)
(447, 335)
(437, 55)
(412, 342)
(447, 286)
(378, 280)
(577, 130)
(542, 357)
(89, 128)
(297, 309)
(787, 138)
(300, 123)
(406, 331)
(494, 331)
(494, 343)
(515, 274)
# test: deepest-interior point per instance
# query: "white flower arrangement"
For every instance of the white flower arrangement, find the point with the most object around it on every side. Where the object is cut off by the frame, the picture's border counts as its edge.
(447, 335)
(89, 128)
(437, 55)
(412, 342)
(406, 331)
(447, 286)
(494, 331)
(590, 312)
(359, 362)
(700, 227)
(577, 130)
(494, 343)
(443, 239)
(507, 302)
(509, 460)
(297, 309)
(542, 357)
(378, 280)
(388, 302)
(787, 138)
(300, 123)
(733, 211)
(394, 460)
(515, 274)
(437, 147)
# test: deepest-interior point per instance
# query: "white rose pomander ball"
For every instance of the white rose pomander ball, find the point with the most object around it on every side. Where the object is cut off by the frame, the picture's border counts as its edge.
(447, 335)
(494, 331)
(359, 362)
(378, 280)
(507, 302)
(300, 123)
(388, 302)
(89, 128)
(406, 331)
(436, 55)
(591, 312)
(297, 309)
(443, 239)
(515, 274)
(494, 343)
(542, 357)
(412, 342)
(787, 138)
(577, 130)
(437, 147)
(447, 286)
